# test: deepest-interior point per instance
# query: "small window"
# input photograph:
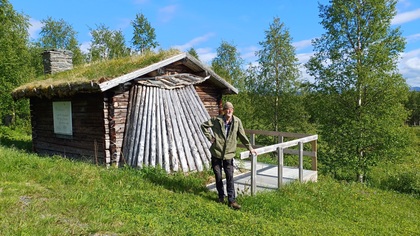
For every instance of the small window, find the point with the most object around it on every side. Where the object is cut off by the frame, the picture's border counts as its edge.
(62, 118)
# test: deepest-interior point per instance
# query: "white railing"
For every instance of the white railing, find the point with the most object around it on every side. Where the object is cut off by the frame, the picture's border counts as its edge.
(281, 148)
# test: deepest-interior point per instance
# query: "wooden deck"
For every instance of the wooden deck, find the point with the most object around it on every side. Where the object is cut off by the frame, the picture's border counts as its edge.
(266, 177)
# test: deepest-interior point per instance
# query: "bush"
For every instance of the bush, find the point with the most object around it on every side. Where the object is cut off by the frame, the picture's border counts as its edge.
(15, 137)
(403, 178)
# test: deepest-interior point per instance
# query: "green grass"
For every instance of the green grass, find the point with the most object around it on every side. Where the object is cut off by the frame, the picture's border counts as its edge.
(56, 196)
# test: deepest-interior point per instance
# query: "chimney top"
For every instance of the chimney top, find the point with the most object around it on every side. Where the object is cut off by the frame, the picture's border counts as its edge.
(57, 60)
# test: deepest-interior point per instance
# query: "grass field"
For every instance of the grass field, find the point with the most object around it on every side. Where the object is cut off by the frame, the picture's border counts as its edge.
(56, 196)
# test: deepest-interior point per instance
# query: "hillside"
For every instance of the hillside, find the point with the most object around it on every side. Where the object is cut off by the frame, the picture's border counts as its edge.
(56, 196)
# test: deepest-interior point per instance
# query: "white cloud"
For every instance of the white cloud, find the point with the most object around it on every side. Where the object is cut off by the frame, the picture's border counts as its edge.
(406, 17)
(34, 28)
(302, 44)
(85, 47)
(303, 58)
(413, 38)
(409, 67)
(206, 55)
(167, 13)
(248, 54)
(194, 42)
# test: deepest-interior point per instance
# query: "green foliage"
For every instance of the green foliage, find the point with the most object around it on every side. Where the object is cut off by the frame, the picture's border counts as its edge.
(35, 51)
(358, 94)
(413, 105)
(193, 53)
(56, 196)
(248, 104)
(259, 104)
(58, 34)
(107, 44)
(14, 61)
(400, 175)
(400, 178)
(144, 36)
(277, 87)
(228, 64)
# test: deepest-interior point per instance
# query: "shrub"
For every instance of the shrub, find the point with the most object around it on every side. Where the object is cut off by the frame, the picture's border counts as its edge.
(404, 178)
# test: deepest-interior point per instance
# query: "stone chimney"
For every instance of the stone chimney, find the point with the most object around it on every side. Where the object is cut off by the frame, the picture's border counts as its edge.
(56, 60)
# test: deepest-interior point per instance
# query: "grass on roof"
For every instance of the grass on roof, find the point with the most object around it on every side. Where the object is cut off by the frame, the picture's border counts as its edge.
(100, 71)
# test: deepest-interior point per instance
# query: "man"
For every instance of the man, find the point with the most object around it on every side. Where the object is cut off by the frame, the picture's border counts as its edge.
(226, 129)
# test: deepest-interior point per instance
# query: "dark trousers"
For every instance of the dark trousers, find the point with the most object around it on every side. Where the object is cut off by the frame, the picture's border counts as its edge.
(227, 165)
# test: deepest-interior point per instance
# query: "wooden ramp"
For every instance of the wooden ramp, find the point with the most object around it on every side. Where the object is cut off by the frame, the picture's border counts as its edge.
(266, 177)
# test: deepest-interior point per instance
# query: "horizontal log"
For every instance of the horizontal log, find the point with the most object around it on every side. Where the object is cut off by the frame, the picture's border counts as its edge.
(77, 131)
(75, 149)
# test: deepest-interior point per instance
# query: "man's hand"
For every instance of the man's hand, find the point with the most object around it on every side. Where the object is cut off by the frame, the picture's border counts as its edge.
(252, 151)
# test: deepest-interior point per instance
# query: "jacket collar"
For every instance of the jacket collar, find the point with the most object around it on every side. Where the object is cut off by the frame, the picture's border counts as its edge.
(221, 119)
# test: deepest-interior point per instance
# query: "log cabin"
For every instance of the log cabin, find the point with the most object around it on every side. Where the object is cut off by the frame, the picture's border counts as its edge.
(144, 110)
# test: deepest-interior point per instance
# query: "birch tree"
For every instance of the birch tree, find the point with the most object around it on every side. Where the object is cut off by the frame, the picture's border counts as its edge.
(360, 92)
(144, 36)
(278, 80)
(107, 44)
(229, 65)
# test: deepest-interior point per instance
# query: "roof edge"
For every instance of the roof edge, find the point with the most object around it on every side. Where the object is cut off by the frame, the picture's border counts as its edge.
(212, 73)
(132, 75)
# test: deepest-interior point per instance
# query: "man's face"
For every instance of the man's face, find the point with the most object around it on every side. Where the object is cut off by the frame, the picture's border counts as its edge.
(228, 112)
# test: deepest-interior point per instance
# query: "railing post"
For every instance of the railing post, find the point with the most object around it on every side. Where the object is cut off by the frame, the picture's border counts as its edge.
(252, 139)
(300, 161)
(253, 174)
(280, 167)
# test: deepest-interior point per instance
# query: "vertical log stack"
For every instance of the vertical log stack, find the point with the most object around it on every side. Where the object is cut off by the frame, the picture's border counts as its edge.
(163, 129)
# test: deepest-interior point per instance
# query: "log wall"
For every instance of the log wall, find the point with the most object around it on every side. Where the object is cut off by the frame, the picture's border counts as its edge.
(115, 114)
(87, 140)
(211, 98)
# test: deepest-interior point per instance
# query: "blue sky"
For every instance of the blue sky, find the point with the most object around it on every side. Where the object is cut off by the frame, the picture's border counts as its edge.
(203, 25)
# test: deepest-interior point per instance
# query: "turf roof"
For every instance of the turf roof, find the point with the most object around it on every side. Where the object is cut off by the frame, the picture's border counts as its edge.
(86, 78)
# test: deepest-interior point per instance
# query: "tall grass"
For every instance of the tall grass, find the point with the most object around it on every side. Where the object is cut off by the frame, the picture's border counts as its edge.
(402, 175)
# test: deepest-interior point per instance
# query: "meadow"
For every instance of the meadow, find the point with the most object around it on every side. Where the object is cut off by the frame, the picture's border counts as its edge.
(57, 196)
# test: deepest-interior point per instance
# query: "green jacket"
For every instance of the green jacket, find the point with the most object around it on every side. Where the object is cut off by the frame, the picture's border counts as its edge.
(225, 148)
